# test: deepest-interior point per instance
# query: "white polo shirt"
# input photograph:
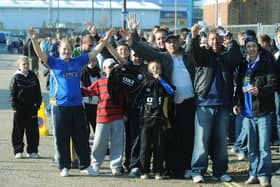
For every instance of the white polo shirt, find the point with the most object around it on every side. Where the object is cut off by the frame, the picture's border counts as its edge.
(182, 80)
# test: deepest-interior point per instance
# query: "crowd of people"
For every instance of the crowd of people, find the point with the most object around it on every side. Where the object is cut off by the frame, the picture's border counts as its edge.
(164, 99)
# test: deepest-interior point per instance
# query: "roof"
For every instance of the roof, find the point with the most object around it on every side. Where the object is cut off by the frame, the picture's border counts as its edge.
(98, 4)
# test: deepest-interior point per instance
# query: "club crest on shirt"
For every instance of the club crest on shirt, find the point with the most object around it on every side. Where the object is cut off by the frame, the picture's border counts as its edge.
(127, 81)
(140, 77)
(123, 69)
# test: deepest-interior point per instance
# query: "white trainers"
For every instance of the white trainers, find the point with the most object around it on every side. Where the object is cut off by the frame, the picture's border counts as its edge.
(158, 176)
(89, 171)
(241, 156)
(188, 174)
(277, 172)
(33, 155)
(18, 155)
(134, 172)
(64, 172)
(223, 178)
(232, 150)
(144, 176)
(198, 179)
(116, 172)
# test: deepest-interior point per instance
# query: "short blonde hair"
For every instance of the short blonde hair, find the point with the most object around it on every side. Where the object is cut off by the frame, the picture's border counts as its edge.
(67, 42)
(22, 59)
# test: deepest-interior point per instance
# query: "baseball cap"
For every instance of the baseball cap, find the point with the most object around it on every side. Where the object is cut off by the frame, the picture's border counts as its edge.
(169, 36)
(109, 62)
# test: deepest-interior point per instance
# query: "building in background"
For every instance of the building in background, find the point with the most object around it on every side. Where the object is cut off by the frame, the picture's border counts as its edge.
(236, 12)
(105, 13)
(23, 14)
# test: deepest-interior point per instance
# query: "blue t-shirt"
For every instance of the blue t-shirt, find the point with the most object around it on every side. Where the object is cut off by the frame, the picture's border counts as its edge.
(217, 95)
(248, 104)
(67, 75)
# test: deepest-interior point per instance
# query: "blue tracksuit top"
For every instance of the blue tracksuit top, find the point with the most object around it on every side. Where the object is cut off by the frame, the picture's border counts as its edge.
(67, 76)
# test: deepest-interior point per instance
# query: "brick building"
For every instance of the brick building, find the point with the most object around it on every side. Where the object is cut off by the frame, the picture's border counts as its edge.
(235, 12)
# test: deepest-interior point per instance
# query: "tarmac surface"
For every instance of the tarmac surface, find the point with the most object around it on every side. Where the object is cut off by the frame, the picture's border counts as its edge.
(41, 172)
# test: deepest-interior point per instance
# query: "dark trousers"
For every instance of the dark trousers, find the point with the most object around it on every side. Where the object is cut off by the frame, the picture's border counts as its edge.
(152, 143)
(34, 62)
(91, 115)
(26, 122)
(132, 139)
(70, 122)
(134, 125)
(183, 130)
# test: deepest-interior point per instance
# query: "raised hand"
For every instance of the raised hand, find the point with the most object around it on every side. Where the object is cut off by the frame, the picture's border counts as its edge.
(124, 33)
(195, 30)
(109, 34)
(91, 27)
(32, 33)
(132, 22)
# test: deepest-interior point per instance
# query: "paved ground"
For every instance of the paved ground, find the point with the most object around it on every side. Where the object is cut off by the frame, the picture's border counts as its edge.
(40, 172)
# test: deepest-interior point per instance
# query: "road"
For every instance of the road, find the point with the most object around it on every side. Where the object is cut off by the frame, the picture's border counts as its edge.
(40, 172)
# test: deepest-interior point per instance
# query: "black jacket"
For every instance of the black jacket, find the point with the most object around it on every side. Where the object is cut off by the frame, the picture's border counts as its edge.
(25, 92)
(148, 53)
(205, 62)
(87, 73)
(265, 79)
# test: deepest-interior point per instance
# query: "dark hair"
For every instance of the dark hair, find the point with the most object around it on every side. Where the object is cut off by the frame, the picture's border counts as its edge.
(264, 38)
(250, 32)
(162, 31)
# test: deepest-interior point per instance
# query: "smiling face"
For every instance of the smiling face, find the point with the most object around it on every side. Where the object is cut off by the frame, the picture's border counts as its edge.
(172, 46)
(123, 51)
(23, 64)
(154, 68)
(252, 49)
(215, 42)
(65, 50)
(159, 39)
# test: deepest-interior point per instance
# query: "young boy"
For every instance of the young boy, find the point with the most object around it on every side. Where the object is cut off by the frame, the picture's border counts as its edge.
(154, 122)
(25, 98)
(109, 124)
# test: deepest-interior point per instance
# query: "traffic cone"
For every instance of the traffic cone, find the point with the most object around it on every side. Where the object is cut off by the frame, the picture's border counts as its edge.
(43, 131)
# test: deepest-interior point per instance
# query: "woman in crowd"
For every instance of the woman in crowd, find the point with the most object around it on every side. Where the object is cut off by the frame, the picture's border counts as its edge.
(69, 118)
(26, 98)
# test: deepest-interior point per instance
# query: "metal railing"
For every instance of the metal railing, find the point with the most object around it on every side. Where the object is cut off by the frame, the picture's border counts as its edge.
(259, 28)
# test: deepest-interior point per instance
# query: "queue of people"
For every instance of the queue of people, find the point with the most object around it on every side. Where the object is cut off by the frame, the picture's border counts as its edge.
(159, 100)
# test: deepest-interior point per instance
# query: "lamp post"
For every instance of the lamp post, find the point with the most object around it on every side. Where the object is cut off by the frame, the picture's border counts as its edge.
(190, 12)
(92, 11)
(217, 12)
(175, 14)
(124, 14)
(110, 9)
(57, 23)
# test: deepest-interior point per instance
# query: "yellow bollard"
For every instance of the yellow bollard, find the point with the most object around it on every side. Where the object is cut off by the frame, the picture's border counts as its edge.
(43, 131)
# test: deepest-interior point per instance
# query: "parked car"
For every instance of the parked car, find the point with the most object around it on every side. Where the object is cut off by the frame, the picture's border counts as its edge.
(14, 42)
(2, 37)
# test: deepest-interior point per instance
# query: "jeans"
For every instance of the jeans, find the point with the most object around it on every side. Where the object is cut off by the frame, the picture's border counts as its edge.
(210, 139)
(259, 135)
(112, 132)
(53, 113)
(241, 142)
(276, 124)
